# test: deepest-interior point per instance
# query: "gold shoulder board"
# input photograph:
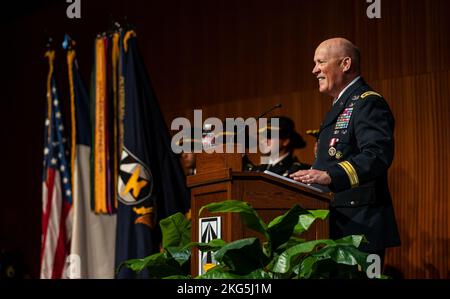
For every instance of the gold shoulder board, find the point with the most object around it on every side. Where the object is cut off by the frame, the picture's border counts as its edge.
(370, 93)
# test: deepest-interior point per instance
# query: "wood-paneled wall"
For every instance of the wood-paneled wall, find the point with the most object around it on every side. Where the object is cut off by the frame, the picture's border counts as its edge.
(236, 58)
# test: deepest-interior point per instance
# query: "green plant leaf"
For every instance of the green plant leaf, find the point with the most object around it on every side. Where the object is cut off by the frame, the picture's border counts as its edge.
(329, 269)
(319, 214)
(212, 245)
(180, 254)
(258, 274)
(178, 277)
(290, 243)
(285, 262)
(166, 269)
(241, 256)
(219, 272)
(278, 219)
(342, 251)
(158, 265)
(190, 245)
(183, 254)
(247, 213)
(344, 254)
(304, 223)
(340, 254)
(306, 220)
(305, 268)
(138, 265)
(281, 228)
(352, 240)
(176, 231)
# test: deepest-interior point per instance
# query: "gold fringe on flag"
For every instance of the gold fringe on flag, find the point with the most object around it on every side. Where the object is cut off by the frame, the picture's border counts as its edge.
(100, 167)
(50, 54)
(115, 69)
(70, 59)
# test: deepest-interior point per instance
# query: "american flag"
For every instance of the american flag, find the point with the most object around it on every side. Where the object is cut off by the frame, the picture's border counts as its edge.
(56, 189)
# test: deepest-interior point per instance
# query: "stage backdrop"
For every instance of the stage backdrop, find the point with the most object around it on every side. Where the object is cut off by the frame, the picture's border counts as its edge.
(236, 58)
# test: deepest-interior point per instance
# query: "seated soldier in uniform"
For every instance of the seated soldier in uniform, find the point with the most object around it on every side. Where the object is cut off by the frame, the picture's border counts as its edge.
(188, 159)
(288, 141)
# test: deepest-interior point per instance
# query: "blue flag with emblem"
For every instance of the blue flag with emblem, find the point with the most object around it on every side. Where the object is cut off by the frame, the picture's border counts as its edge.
(151, 183)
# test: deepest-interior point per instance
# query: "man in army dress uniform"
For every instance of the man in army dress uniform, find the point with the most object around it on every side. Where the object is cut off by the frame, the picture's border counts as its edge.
(288, 141)
(355, 150)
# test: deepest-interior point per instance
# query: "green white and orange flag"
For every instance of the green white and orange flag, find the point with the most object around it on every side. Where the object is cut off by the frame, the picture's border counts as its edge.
(93, 234)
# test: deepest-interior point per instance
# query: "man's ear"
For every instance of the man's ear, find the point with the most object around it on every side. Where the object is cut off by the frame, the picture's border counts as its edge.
(346, 64)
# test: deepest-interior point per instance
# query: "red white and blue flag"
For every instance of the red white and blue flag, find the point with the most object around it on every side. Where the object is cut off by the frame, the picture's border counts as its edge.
(56, 188)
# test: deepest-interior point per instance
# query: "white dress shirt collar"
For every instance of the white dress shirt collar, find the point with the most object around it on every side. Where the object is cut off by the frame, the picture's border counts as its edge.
(347, 87)
(278, 160)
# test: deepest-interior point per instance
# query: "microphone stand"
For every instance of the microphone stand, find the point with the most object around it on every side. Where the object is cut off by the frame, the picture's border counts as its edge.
(244, 155)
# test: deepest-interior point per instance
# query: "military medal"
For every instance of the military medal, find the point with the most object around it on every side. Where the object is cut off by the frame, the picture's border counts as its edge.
(339, 155)
(331, 151)
(333, 141)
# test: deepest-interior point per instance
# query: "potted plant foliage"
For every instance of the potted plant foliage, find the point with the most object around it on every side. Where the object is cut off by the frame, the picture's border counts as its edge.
(279, 253)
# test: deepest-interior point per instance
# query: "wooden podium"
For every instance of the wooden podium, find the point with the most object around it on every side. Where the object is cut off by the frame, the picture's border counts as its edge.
(220, 177)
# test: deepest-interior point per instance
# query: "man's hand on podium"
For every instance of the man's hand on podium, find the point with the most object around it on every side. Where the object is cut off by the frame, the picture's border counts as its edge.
(312, 176)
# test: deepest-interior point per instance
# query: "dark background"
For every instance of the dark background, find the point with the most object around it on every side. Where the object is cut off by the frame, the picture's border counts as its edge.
(235, 58)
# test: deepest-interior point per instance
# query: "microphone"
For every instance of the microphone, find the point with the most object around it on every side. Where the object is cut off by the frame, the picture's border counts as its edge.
(270, 110)
(245, 158)
(276, 106)
(263, 114)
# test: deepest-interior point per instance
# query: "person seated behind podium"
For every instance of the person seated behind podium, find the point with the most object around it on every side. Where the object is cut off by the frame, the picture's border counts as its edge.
(188, 159)
(288, 141)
